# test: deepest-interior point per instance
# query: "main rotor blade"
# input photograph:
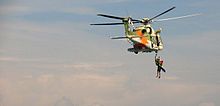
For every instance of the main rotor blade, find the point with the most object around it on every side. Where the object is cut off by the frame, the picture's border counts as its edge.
(174, 18)
(108, 24)
(162, 13)
(111, 16)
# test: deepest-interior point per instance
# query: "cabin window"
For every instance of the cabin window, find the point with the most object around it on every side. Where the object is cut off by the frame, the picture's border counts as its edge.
(149, 30)
(143, 31)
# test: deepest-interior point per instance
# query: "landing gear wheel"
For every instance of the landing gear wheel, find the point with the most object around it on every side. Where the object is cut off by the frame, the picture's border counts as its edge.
(136, 52)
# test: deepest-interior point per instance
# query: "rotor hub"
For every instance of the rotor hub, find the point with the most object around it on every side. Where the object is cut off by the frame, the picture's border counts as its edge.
(145, 21)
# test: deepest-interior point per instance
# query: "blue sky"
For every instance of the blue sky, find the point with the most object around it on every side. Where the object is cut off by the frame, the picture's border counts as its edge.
(51, 56)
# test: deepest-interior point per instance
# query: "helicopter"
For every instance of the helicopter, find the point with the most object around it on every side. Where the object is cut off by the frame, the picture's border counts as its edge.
(143, 38)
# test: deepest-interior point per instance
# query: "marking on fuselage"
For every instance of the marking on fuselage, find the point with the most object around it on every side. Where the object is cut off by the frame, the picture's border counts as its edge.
(143, 39)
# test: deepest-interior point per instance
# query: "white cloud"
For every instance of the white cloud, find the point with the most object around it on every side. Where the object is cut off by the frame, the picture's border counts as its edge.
(171, 77)
(44, 79)
(67, 6)
(48, 88)
(207, 104)
(92, 66)
(12, 9)
(86, 89)
(16, 59)
(8, 59)
(64, 102)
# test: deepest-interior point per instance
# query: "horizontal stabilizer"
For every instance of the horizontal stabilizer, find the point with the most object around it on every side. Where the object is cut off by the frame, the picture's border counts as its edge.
(125, 37)
(109, 24)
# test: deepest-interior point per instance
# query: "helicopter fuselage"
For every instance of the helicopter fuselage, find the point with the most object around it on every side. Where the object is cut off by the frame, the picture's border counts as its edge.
(143, 38)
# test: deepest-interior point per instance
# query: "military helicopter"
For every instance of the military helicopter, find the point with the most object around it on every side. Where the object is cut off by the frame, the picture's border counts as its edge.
(143, 38)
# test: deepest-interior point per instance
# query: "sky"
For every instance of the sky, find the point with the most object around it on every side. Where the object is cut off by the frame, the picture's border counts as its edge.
(51, 56)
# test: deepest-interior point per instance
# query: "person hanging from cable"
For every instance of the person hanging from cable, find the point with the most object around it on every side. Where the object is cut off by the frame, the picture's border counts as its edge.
(159, 64)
